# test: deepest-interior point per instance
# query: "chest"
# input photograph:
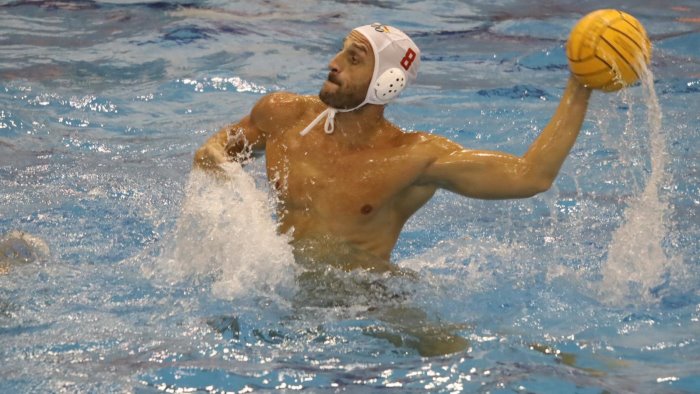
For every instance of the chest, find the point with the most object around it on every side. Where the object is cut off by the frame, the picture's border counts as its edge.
(321, 177)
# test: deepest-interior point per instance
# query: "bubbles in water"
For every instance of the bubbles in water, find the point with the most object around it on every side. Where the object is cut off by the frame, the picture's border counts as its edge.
(226, 232)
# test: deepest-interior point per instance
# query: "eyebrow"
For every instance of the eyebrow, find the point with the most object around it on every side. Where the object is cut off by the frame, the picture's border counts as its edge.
(361, 47)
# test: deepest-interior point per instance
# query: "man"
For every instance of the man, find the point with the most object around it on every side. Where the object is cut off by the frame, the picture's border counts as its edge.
(347, 186)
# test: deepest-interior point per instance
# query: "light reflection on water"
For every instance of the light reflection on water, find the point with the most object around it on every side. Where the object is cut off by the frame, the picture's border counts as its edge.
(140, 291)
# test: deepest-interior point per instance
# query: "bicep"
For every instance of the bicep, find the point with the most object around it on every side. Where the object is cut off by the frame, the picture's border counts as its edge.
(251, 132)
(483, 174)
(243, 130)
(243, 136)
(268, 117)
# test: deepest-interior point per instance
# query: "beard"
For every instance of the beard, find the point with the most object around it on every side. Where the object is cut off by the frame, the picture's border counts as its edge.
(336, 95)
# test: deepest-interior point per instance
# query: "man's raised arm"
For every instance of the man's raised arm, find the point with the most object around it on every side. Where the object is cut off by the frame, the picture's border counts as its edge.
(495, 175)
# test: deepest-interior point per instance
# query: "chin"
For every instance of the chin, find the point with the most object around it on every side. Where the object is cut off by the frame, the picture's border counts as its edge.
(327, 90)
(332, 98)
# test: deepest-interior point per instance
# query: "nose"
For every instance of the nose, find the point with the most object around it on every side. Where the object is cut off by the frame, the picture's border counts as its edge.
(333, 65)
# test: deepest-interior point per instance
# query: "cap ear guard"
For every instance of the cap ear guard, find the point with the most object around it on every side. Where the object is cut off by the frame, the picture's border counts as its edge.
(389, 85)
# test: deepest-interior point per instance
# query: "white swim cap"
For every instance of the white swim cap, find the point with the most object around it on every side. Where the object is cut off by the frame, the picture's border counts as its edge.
(396, 63)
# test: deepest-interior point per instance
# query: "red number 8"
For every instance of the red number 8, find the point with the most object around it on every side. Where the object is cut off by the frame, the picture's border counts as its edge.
(408, 59)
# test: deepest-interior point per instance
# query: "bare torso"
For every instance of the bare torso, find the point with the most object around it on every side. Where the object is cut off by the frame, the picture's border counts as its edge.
(333, 192)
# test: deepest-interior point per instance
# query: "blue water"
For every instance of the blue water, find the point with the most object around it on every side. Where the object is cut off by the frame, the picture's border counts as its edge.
(155, 280)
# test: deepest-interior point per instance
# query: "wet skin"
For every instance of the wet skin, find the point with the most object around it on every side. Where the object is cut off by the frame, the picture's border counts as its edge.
(344, 197)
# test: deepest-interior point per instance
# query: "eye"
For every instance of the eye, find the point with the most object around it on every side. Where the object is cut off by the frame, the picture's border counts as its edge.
(353, 57)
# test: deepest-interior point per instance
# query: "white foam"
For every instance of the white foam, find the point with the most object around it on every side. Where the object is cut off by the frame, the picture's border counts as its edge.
(226, 230)
(469, 266)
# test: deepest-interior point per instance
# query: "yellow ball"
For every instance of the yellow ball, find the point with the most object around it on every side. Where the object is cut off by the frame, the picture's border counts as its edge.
(608, 49)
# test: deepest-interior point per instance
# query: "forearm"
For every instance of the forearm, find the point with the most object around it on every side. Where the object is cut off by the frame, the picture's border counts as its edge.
(548, 152)
(493, 175)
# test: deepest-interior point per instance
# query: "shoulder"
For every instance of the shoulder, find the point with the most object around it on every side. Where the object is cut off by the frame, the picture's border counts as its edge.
(279, 108)
(428, 144)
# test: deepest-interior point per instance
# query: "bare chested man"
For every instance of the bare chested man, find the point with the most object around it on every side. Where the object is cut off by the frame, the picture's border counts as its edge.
(348, 179)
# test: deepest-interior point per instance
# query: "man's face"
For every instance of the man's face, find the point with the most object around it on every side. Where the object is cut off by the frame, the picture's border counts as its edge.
(350, 74)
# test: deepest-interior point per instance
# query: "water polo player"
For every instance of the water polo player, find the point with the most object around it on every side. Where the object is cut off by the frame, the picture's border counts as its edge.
(348, 179)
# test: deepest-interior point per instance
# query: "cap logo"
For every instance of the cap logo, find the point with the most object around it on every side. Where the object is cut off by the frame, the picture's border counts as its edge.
(380, 28)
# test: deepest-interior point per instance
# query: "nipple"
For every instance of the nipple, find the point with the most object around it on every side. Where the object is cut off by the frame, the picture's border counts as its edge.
(366, 209)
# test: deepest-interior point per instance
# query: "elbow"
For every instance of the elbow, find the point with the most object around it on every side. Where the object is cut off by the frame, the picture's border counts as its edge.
(544, 185)
(540, 185)
(531, 185)
(537, 179)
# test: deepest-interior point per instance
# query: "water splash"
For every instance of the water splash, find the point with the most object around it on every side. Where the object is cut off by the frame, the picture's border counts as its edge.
(226, 231)
(637, 262)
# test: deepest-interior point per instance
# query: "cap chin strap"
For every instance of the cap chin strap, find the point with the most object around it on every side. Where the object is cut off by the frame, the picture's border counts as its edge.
(329, 113)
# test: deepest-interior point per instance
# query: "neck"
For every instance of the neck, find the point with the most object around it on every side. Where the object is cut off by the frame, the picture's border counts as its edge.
(359, 125)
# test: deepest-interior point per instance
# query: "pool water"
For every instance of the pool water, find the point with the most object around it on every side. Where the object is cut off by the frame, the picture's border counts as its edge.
(134, 275)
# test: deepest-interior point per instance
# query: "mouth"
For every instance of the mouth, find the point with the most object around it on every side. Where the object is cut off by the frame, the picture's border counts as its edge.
(332, 79)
